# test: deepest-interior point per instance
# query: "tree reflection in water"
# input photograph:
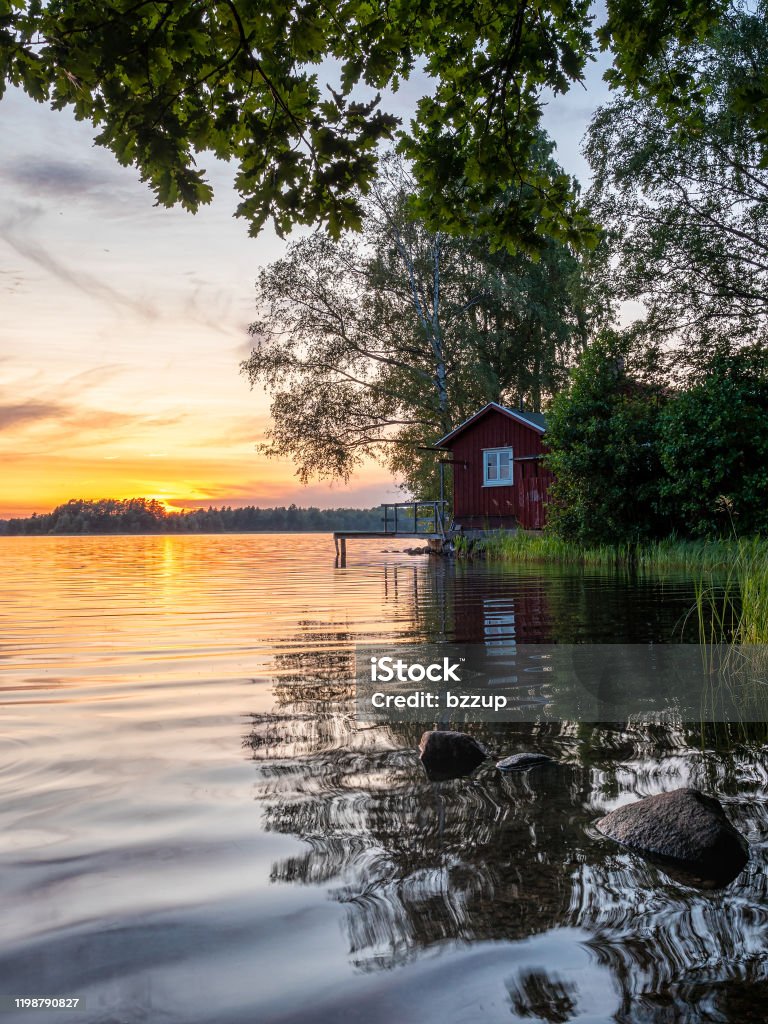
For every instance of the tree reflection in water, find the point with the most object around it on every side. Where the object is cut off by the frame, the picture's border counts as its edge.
(506, 857)
(535, 993)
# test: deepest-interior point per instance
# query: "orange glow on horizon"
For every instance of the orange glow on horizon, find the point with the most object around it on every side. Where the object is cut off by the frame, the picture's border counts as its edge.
(38, 483)
(161, 498)
(185, 459)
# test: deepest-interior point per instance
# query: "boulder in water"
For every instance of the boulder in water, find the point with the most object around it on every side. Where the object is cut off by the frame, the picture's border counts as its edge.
(449, 755)
(686, 828)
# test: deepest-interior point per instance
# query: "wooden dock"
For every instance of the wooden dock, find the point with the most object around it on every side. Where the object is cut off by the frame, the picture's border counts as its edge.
(340, 538)
(403, 520)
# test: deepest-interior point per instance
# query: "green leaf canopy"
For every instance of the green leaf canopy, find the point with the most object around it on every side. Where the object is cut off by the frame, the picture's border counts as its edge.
(166, 80)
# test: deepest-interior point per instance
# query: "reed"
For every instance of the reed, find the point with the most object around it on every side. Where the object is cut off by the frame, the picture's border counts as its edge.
(733, 608)
(733, 611)
(706, 556)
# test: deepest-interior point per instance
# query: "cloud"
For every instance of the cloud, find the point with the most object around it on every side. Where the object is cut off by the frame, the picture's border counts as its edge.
(205, 304)
(101, 419)
(84, 282)
(346, 495)
(14, 413)
(98, 184)
(14, 231)
(102, 184)
(81, 381)
(59, 178)
(67, 426)
(241, 430)
(268, 494)
(11, 281)
(215, 308)
(62, 405)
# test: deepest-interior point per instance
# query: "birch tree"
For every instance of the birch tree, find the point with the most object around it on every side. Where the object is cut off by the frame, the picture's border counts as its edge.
(374, 346)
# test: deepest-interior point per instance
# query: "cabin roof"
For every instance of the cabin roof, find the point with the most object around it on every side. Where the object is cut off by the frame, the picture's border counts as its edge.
(535, 420)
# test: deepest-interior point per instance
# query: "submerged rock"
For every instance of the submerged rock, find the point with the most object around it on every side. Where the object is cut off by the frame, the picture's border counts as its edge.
(449, 755)
(521, 762)
(685, 828)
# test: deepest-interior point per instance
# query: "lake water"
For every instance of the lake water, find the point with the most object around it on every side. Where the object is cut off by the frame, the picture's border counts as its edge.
(193, 828)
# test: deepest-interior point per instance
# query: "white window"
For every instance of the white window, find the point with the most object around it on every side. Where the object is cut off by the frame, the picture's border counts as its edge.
(497, 467)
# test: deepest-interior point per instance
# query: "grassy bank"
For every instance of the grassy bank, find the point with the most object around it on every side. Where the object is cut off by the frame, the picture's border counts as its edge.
(692, 556)
(731, 576)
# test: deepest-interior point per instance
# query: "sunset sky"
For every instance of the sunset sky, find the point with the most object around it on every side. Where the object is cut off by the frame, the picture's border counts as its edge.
(123, 326)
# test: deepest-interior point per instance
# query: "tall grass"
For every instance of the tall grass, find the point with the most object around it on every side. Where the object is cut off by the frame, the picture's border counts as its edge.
(733, 610)
(734, 607)
(693, 556)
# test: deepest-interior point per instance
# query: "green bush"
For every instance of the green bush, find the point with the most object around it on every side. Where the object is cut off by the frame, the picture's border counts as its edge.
(603, 438)
(713, 447)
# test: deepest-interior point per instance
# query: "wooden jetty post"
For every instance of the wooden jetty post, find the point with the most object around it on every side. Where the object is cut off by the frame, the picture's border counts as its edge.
(340, 540)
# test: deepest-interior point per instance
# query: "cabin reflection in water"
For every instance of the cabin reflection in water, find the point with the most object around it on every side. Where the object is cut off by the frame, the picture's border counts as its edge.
(442, 599)
(421, 866)
(445, 602)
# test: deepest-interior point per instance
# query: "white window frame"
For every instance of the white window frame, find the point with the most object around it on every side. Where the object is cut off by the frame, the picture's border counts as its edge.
(497, 452)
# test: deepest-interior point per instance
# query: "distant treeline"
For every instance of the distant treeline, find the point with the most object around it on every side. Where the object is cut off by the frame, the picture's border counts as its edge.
(142, 515)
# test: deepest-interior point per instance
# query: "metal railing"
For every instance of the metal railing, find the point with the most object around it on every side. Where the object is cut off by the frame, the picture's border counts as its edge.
(418, 516)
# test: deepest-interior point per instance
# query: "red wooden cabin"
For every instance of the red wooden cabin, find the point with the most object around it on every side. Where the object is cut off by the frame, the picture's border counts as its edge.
(499, 481)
